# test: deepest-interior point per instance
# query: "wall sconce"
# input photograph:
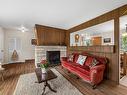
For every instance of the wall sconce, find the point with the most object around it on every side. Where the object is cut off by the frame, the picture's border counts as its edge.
(76, 38)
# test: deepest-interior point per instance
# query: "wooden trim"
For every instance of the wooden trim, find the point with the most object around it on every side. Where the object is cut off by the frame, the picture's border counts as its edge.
(35, 30)
(116, 41)
(100, 19)
(44, 26)
(123, 10)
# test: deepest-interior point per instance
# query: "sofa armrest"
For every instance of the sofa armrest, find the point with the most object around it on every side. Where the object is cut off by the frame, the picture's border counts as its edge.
(63, 58)
(96, 73)
(97, 68)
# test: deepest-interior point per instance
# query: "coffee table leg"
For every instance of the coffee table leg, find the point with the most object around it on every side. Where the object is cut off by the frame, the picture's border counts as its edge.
(44, 88)
(50, 87)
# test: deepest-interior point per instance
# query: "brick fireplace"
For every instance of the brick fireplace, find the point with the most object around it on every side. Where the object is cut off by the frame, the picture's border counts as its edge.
(41, 52)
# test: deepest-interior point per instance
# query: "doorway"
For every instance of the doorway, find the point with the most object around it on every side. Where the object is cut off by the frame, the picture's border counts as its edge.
(123, 51)
(14, 49)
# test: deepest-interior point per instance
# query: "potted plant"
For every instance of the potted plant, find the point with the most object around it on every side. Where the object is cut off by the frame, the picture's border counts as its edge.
(44, 65)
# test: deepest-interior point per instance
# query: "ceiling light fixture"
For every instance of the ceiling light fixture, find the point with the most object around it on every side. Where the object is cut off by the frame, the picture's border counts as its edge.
(23, 29)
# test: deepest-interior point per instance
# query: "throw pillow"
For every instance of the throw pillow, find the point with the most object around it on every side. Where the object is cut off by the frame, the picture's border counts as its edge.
(70, 58)
(94, 63)
(81, 59)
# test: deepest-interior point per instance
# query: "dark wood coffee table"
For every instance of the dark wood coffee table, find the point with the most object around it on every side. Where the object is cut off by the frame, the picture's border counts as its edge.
(45, 77)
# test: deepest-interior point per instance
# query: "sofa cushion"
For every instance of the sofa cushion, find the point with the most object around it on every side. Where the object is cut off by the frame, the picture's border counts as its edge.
(88, 60)
(85, 53)
(69, 64)
(83, 70)
(76, 55)
(81, 59)
(70, 58)
(102, 60)
(94, 63)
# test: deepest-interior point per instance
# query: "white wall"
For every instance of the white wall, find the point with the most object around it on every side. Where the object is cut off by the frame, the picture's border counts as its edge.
(26, 51)
(1, 44)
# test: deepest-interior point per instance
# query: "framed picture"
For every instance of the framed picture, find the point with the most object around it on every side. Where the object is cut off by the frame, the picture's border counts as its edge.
(107, 40)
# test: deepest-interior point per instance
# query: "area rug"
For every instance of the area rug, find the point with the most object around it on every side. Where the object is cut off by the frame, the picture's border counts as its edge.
(123, 81)
(26, 86)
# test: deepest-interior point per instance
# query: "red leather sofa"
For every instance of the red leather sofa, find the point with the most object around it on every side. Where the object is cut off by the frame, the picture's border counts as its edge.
(93, 75)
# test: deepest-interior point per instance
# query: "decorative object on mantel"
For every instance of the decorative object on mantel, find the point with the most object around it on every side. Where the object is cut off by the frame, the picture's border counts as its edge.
(44, 66)
(76, 44)
(34, 41)
(82, 40)
(14, 56)
(76, 38)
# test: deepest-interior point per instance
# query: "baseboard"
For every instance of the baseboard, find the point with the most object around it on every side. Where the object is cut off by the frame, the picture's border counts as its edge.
(29, 60)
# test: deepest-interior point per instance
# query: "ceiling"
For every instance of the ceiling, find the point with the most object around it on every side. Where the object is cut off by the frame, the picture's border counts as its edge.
(56, 13)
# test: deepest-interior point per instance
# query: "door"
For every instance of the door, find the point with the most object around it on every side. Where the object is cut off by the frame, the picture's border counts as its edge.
(97, 41)
(14, 44)
(1, 45)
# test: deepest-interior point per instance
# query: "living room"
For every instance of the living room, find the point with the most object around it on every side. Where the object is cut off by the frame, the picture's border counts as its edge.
(56, 45)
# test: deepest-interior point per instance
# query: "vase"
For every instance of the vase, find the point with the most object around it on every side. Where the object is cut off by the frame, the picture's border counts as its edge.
(43, 70)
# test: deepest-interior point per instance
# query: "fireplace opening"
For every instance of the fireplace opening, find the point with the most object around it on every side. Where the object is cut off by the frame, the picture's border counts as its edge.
(53, 57)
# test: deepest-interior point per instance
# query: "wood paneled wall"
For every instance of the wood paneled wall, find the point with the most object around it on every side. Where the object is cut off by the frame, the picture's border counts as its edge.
(94, 49)
(50, 36)
(113, 65)
(105, 51)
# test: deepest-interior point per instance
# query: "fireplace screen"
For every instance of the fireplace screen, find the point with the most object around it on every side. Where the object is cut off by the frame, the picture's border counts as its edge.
(53, 57)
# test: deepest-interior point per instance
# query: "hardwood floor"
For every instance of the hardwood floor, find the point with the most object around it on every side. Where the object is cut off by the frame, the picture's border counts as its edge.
(105, 88)
(13, 71)
(11, 76)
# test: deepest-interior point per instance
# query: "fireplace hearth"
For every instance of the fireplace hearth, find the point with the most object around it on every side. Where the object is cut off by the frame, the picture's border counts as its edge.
(53, 57)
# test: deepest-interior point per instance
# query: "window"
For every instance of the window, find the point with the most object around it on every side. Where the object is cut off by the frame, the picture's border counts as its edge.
(14, 44)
